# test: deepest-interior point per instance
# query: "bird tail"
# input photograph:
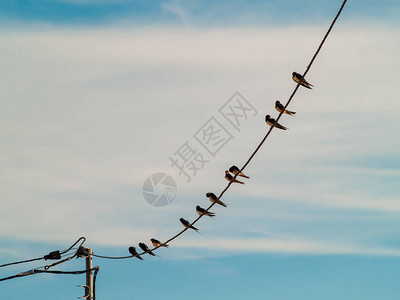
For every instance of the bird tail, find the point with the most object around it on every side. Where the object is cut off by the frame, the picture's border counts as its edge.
(290, 112)
(151, 253)
(222, 203)
(238, 181)
(211, 214)
(306, 85)
(281, 126)
(139, 257)
(241, 174)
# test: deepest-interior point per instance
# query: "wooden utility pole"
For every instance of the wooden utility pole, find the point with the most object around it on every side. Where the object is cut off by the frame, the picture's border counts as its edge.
(87, 253)
(89, 274)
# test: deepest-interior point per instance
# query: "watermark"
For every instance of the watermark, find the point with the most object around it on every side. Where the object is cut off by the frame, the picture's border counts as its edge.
(188, 160)
(159, 189)
(212, 137)
(193, 155)
(236, 110)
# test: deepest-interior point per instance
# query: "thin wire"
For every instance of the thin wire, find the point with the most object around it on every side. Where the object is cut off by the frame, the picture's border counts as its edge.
(113, 257)
(21, 262)
(81, 238)
(35, 271)
(65, 251)
(66, 254)
(40, 258)
(44, 266)
(255, 151)
(94, 281)
(61, 261)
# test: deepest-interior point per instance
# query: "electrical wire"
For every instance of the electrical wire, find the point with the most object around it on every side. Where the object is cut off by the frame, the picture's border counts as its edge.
(61, 261)
(46, 256)
(115, 257)
(44, 266)
(36, 271)
(94, 281)
(81, 238)
(67, 254)
(255, 151)
(21, 262)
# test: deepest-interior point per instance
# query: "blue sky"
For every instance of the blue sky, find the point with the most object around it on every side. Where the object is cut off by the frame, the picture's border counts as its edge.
(204, 13)
(99, 94)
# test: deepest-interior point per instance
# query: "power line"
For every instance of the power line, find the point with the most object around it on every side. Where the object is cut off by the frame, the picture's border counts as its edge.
(80, 252)
(82, 238)
(94, 282)
(36, 271)
(21, 262)
(54, 255)
(115, 257)
(46, 267)
(255, 151)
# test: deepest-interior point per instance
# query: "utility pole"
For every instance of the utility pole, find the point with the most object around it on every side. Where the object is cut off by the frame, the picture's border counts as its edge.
(89, 275)
(87, 253)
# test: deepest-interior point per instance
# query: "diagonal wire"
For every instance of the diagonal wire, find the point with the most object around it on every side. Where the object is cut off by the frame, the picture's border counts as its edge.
(82, 239)
(35, 271)
(21, 262)
(255, 151)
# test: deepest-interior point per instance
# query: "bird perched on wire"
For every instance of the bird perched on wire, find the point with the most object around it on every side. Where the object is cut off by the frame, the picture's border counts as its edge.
(235, 170)
(132, 250)
(202, 211)
(270, 121)
(279, 107)
(146, 249)
(186, 224)
(157, 243)
(300, 79)
(215, 199)
(229, 177)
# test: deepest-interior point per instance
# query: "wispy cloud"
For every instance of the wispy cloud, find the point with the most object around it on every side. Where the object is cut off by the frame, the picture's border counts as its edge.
(177, 8)
(89, 114)
(287, 246)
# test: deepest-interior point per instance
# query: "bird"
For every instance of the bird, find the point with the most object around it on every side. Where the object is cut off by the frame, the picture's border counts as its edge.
(132, 250)
(300, 79)
(186, 224)
(215, 199)
(229, 177)
(270, 121)
(279, 107)
(146, 249)
(235, 170)
(157, 243)
(202, 211)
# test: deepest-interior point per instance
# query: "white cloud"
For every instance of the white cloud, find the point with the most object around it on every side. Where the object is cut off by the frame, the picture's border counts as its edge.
(175, 7)
(287, 246)
(89, 114)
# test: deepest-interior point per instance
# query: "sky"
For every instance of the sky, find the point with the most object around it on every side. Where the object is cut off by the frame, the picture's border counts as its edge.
(98, 95)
